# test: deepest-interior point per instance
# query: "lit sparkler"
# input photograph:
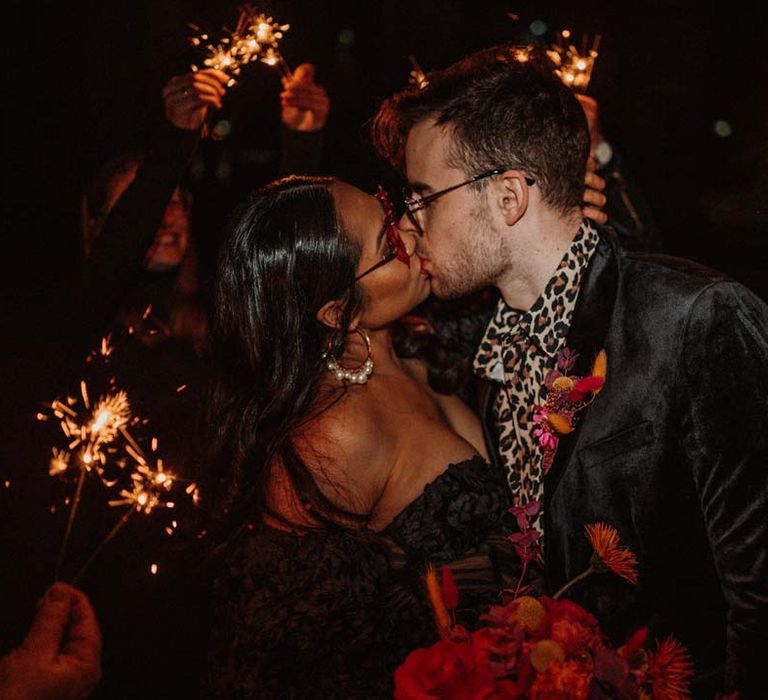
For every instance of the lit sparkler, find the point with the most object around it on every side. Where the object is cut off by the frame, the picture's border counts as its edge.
(573, 66)
(255, 37)
(268, 34)
(150, 488)
(90, 431)
(417, 76)
(98, 442)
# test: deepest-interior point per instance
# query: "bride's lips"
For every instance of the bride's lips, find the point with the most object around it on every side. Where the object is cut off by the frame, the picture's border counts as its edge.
(423, 262)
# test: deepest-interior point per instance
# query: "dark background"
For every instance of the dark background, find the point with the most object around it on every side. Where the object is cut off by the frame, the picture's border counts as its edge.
(83, 81)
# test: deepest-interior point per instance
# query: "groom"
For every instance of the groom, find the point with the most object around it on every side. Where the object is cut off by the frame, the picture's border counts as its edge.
(673, 451)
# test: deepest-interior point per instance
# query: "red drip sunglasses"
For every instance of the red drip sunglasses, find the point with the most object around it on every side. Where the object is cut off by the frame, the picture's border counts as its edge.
(395, 244)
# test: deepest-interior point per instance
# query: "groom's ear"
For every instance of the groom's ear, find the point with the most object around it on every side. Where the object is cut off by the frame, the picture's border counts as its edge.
(512, 198)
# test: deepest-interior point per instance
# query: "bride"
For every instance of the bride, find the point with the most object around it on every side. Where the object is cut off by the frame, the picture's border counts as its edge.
(341, 474)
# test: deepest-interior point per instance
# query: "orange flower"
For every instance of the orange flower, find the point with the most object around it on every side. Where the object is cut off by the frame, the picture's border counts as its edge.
(600, 368)
(669, 670)
(440, 612)
(609, 556)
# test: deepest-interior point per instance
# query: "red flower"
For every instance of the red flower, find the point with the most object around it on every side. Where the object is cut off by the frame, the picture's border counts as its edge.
(609, 556)
(573, 627)
(569, 680)
(448, 588)
(450, 670)
(669, 670)
(584, 386)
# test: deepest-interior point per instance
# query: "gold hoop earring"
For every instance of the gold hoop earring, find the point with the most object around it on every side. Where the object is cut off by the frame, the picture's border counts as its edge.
(356, 375)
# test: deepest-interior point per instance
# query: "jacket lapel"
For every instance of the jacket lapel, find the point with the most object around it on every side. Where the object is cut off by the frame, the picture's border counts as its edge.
(587, 336)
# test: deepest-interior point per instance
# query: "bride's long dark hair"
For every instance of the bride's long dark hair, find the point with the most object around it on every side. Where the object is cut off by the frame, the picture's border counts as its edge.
(285, 254)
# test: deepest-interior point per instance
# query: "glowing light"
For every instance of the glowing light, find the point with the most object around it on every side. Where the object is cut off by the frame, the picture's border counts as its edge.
(59, 462)
(346, 37)
(149, 490)
(255, 37)
(153, 569)
(723, 128)
(538, 27)
(417, 76)
(220, 130)
(522, 54)
(97, 442)
(572, 66)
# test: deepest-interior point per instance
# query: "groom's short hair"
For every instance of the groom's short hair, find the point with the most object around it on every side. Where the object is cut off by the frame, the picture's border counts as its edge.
(502, 112)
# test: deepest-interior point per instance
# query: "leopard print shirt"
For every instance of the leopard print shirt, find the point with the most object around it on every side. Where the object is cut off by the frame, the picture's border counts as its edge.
(517, 351)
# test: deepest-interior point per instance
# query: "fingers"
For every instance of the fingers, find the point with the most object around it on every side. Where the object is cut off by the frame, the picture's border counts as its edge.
(588, 103)
(211, 83)
(317, 104)
(83, 639)
(594, 198)
(304, 73)
(594, 182)
(597, 215)
(304, 92)
(48, 628)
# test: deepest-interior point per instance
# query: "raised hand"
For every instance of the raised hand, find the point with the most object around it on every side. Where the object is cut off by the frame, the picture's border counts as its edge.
(187, 98)
(304, 104)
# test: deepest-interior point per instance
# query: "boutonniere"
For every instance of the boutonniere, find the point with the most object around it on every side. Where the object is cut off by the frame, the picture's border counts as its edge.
(566, 396)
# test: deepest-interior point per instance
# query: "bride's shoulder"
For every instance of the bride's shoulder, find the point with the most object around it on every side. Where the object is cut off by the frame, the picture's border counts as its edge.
(346, 431)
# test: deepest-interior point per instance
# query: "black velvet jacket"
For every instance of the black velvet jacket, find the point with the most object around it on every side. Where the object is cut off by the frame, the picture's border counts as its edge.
(673, 453)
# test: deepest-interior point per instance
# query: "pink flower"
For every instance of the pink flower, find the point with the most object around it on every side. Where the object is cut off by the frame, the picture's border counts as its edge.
(546, 439)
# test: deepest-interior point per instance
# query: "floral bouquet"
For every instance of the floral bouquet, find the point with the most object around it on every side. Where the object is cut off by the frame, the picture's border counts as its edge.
(542, 648)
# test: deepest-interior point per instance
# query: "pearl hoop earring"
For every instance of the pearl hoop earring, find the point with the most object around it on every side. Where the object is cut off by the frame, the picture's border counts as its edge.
(356, 375)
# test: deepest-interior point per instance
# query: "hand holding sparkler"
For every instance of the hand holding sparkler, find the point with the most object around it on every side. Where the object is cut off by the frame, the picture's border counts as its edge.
(60, 658)
(305, 104)
(187, 98)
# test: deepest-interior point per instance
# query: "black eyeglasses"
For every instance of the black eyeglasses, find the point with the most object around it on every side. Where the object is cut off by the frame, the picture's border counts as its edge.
(395, 244)
(413, 205)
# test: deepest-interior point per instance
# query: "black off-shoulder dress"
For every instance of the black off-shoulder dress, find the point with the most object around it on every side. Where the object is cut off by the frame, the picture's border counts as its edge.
(332, 615)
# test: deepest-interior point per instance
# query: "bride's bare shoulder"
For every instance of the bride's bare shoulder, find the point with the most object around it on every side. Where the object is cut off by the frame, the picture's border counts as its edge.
(346, 429)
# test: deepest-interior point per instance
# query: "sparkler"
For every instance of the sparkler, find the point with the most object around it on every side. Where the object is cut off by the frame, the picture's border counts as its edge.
(268, 33)
(90, 431)
(255, 37)
(573, 66)
(98, 443)
(417, 76)
(150, 489)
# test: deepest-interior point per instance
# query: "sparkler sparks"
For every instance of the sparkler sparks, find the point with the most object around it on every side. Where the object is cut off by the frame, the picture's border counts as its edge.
(255, 37)
(97, 444)
(149, 489)
(91, 432)
(573, 66)
(417, 76)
